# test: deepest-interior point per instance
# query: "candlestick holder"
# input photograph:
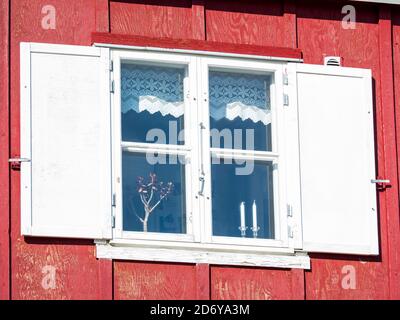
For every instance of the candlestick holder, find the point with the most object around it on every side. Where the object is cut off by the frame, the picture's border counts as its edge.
(243, 230)
(255, 231)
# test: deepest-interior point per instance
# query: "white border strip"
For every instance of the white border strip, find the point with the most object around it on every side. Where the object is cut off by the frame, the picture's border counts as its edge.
(140, 253)
(379, 1)
(196, 52)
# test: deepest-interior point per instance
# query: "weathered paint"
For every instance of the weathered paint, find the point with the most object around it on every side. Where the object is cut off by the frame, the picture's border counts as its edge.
(140, 280)
(252, 283)
(314, 28)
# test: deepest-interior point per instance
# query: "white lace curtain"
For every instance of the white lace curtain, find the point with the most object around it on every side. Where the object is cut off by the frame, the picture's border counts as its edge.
(160, 89)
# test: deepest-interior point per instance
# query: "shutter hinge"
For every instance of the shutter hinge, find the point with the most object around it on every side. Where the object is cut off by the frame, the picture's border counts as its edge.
(113, 221)
(285, 79)
(112, 86)
(113, 204)
(290, 232)
(289, 210)
(111, 65)
(285, 99)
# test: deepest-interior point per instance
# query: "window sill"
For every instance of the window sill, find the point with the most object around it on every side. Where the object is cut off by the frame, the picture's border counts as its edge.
(207, 254)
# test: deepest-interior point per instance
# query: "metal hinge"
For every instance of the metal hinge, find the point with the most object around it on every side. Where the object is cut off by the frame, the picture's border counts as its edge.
(111, 65)
(290, 232)
(289, 210)
(285, 99)
(113, 221)
(285, 79)
(113, 200)
(112, 86)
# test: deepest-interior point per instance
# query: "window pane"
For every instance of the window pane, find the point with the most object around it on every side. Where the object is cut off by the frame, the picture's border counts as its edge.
(166, 205)
(242, 198)
(152, 103)
(240, 110)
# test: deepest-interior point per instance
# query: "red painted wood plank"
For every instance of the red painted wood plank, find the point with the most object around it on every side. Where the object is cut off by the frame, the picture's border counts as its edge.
(203, 281)
(346, 278)
(152, 18)
(146, 281)
(246, 22)
(298, 284)
(102, 16)
(290, 23)
(238, 283)
(390, 148)
(191, 44)
(4, 153)
(106, 280)
(198, 20)
(77, 270)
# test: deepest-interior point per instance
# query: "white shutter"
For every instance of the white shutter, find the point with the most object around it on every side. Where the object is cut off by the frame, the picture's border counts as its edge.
(337, 163)
(65, 132)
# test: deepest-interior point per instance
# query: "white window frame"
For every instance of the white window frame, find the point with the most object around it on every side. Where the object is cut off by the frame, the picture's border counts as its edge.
(182, 150)
(276, 90)
(199, 244)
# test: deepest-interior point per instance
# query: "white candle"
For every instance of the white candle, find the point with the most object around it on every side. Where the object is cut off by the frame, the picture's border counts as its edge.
(255, 227)
(242, 217)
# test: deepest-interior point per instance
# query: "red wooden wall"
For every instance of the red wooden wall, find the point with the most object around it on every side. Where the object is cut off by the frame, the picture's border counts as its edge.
(312, 26)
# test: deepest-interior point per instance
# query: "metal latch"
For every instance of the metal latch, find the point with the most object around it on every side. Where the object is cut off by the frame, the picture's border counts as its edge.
(202, 181)
(381, 184)
(16, 162)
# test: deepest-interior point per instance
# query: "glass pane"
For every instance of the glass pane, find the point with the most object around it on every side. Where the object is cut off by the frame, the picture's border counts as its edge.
(240, 110)
(153, 195)
(152, 103)
(242, 199)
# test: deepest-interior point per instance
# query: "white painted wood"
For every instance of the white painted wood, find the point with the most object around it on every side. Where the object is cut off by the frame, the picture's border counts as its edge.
(193, 255)
(228, 247)
(65, 131)
(339, 212)
(380, 1)
(292, 162)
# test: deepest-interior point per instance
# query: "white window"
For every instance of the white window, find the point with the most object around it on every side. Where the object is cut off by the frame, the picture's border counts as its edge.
(187, 157)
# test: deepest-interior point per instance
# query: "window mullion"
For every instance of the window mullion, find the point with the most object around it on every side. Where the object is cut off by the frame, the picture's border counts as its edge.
(204, 150)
